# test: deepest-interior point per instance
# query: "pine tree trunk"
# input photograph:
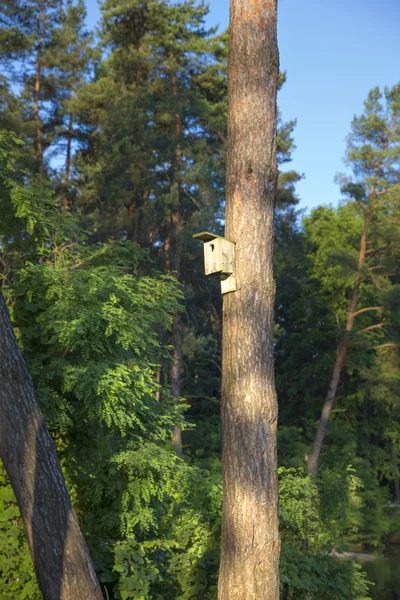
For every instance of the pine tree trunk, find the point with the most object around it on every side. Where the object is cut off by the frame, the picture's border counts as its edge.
(176, 260)
(65, 201)
(312, 460)
(39, 147)
(59, 553)
(250, 536)
(70, 134)
(341, 353)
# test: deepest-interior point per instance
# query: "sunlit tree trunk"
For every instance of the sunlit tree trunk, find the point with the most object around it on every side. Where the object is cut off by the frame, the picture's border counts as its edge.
(59, 553)
(341, 353)
(250, 536)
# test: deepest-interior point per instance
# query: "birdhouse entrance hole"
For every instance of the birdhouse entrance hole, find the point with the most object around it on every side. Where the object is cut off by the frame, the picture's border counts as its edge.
(219, 259)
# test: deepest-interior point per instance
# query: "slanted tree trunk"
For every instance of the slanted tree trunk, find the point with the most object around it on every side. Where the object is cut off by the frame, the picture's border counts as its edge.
(250, 536)
(59, 553)
(341, 353)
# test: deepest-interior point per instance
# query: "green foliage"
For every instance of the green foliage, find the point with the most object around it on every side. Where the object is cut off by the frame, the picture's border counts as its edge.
(321, 577)
(17, 576)
(181, 548)
(31, 227)
(312, 521)
(134, 147)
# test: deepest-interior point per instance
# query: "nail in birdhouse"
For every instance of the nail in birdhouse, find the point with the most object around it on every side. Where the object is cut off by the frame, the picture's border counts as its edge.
(219, 259)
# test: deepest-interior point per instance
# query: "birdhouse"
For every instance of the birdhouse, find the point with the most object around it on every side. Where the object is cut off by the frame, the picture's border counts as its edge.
(219, 259)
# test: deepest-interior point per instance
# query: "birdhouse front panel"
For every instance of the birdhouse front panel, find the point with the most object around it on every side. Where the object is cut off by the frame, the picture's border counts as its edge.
(213, 257)
(219, 257)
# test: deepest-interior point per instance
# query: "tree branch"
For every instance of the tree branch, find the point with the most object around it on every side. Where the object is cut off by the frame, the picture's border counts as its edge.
(221, 137)
(373, 251)
(371, 327)
(363, 310)
(387, 345)
(191, 197)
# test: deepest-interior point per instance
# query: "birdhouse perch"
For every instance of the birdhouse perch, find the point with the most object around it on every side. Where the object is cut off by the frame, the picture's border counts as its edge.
(219, 259)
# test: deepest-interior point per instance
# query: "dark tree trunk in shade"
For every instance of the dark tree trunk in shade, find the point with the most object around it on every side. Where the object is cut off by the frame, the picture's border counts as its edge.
(68, 158)
(59, 553)
(38, 123)
(175, 248)
(176, 373)
(250, 536)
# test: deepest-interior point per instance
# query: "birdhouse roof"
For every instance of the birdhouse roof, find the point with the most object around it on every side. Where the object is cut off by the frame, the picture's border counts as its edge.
(206, 236)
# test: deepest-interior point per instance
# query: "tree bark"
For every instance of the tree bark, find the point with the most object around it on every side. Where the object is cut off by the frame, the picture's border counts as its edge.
(175, 261)
(341, 353)
(36, 105)
(65, 201)
(250, 536)
(67, 169)
(59, 553)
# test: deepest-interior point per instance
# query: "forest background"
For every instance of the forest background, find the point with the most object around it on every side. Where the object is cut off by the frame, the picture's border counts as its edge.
(112, 155)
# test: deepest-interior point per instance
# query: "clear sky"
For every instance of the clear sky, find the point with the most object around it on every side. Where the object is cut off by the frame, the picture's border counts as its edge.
(334, 52)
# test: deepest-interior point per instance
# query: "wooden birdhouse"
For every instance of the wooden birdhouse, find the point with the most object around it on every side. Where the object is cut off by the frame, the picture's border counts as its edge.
(219, 259)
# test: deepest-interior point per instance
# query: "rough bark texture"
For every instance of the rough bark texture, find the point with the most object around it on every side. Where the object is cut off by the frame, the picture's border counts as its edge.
(250, 537)
(59, 553)
(341, 353)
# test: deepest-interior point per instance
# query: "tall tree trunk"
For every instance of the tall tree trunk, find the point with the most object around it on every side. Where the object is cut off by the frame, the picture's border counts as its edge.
(59, 553)
(67, 169)
(36, 107)
(65, 201)
(176, 247)
(250, 536)
(177, 331)
(341, 353)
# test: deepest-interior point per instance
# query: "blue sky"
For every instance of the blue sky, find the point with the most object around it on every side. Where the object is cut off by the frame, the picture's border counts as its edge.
(334, 52)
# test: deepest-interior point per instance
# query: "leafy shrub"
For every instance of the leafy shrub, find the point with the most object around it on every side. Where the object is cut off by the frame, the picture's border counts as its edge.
(17, 576)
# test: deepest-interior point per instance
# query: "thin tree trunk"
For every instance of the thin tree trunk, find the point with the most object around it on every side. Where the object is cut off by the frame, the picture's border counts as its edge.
(70, 133)
(137, 69)
(176, 247)
(341, 353)
(59, 553)
(67, 162)
(250, 536)
(36, 105)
